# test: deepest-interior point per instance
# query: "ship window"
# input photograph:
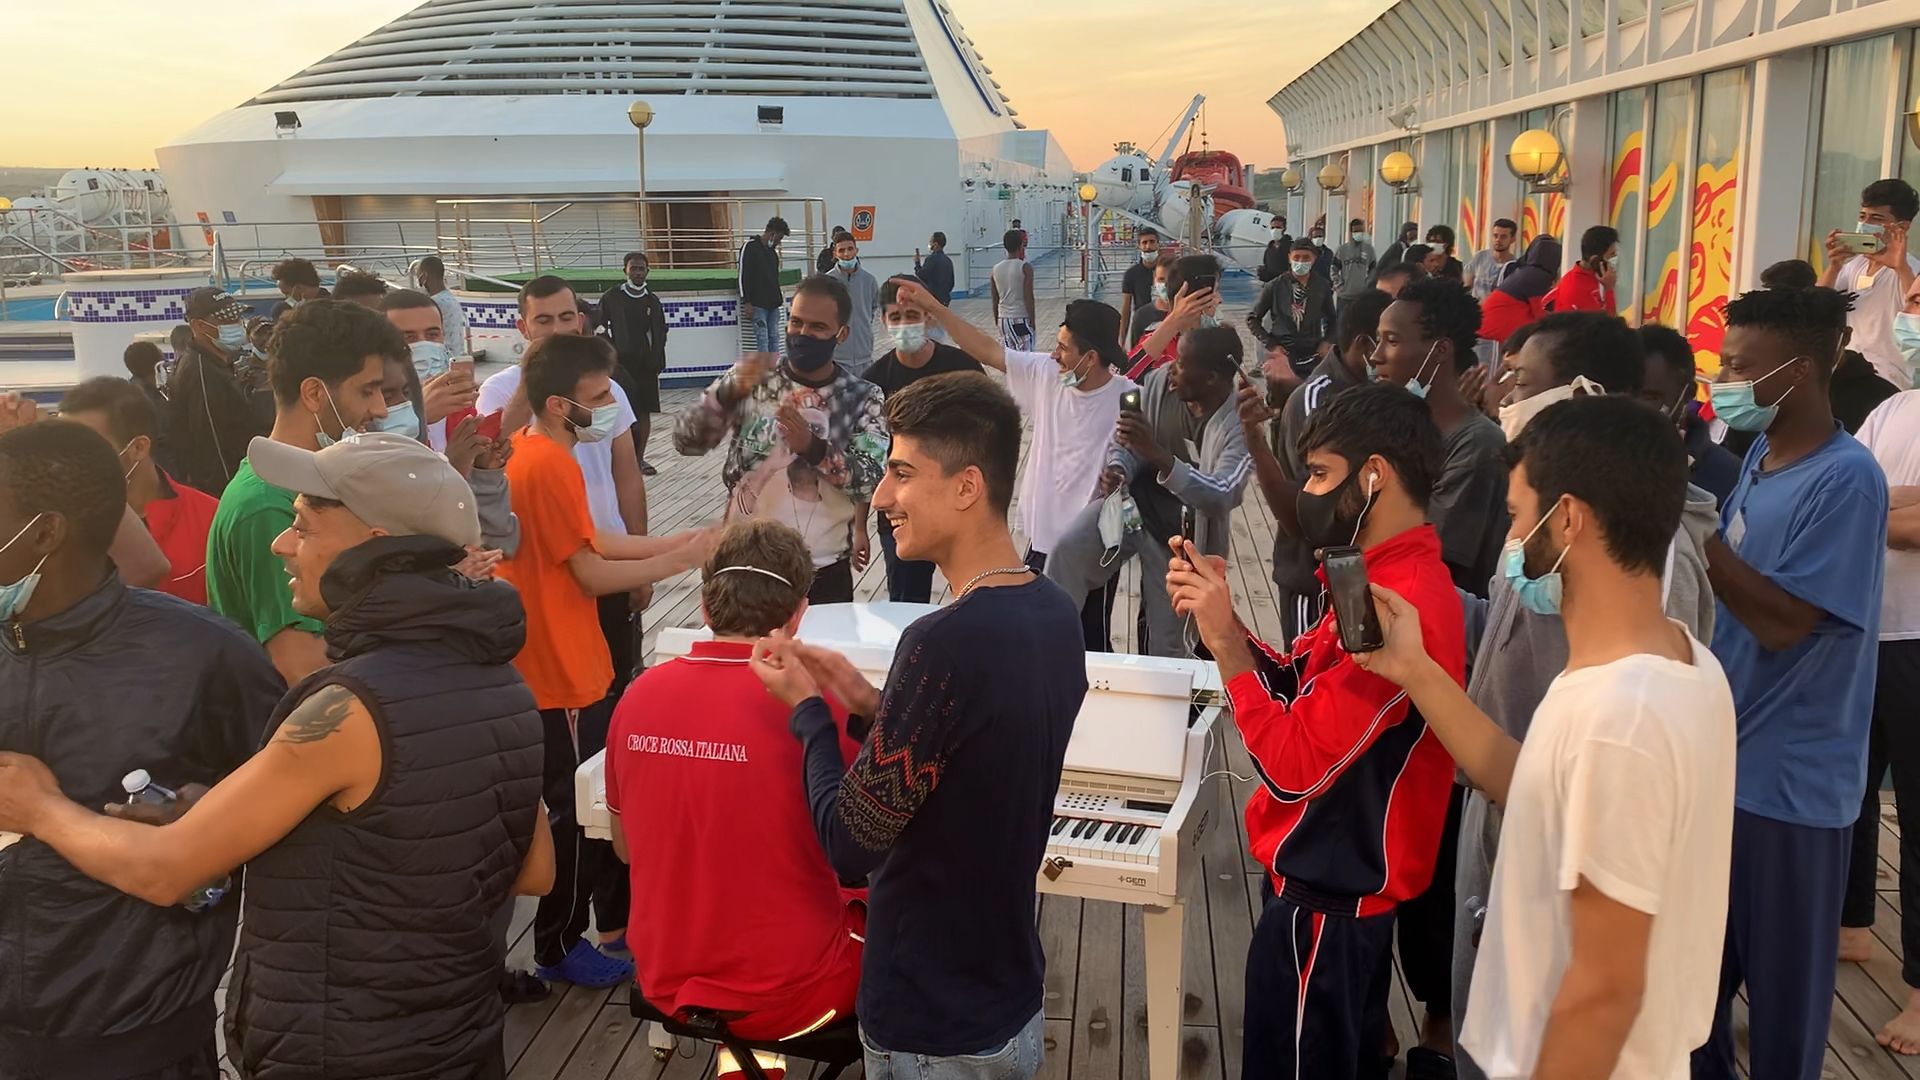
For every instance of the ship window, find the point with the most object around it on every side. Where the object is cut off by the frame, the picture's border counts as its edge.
(1146, 173)
(93, 184)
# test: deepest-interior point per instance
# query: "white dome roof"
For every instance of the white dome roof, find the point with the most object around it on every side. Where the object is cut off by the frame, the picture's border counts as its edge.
(849, 48)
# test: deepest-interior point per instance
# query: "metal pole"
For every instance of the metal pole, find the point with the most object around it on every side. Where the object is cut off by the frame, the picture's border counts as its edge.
(640, 137)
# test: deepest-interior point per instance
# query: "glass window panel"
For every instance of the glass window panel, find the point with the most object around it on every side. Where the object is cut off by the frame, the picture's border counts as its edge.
(1624, 183)
(1853, 136)
(1909, 153)
(1716, 177)
(1666, 202)
(1435, 200)
(1471, 203)
(1362, 172)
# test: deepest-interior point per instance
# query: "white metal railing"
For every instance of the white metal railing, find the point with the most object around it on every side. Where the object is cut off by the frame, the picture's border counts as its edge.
(509, 235)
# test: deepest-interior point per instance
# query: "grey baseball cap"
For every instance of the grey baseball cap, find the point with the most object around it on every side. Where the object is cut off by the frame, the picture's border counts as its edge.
(388, 480)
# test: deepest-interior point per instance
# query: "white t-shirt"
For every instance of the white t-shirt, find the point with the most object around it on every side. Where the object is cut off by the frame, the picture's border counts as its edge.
(1876, 300)
(1892, 432)
(595, 458)
(1625, 779)
(1072, 430)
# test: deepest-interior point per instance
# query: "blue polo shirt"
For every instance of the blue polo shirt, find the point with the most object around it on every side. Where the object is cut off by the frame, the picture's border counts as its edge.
(1818, 529)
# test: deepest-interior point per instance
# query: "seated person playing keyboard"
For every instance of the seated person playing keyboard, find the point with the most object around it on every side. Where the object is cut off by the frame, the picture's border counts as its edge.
(734, 906)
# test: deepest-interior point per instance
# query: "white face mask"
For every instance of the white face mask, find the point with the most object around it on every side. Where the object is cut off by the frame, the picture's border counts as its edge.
(430, 358)
(601, 427)
(908, 337)
(1515, 417)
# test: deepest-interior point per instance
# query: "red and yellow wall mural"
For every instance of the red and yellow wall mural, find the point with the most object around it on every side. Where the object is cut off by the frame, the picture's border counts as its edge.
(1710, 270)
(1660, 298)
(1471, 224)
(1624, 184)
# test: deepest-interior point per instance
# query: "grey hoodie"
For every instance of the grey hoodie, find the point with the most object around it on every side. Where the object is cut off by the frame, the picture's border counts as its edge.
(1513, 656)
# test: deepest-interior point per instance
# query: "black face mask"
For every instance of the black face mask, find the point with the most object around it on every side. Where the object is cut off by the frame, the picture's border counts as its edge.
(809, 354)
(1325, 521)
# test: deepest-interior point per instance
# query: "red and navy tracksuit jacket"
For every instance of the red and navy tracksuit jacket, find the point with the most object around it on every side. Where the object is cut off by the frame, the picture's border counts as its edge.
(1353, 786)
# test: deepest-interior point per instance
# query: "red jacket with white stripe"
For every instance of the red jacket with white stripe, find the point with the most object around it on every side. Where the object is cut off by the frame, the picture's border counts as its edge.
(1353, 785)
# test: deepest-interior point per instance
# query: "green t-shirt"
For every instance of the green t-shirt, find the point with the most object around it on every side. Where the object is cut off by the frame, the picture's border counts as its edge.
(246, 581)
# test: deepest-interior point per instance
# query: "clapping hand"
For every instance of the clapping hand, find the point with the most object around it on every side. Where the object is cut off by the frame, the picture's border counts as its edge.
(479, 563)
(834, 672)
(16, 411)
(26, 786)
(748, 373)
(776, 660)
(794, 428)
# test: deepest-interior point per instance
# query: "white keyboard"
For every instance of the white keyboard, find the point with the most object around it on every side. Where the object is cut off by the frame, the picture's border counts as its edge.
(1127, 816)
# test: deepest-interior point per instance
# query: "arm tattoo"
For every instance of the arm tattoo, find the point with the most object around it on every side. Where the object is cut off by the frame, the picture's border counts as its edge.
(319, 716)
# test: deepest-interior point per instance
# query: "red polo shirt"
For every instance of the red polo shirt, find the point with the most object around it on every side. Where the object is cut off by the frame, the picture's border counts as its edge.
(734, 905)
(179, 520)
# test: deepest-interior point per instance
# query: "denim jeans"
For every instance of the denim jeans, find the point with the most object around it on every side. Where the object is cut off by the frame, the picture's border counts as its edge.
(766, 329)
(909, 581)
(1017, 1059)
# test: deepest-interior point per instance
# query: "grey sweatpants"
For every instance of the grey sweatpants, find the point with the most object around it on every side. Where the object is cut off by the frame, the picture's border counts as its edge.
(1473, 880)
(1074, 565)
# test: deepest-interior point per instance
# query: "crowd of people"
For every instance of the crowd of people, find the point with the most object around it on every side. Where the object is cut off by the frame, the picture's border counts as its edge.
(1605, 753)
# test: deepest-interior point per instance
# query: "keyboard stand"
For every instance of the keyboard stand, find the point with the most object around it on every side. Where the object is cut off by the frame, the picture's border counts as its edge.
(1165, 927)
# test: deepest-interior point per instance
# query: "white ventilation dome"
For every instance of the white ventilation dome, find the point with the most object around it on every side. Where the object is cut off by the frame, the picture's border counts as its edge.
(846, 48)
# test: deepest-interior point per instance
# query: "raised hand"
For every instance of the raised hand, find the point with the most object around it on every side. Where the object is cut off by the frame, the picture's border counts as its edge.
(781, 670)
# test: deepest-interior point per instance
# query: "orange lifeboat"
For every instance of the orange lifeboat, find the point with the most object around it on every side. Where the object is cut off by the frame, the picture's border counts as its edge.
(1219, 170)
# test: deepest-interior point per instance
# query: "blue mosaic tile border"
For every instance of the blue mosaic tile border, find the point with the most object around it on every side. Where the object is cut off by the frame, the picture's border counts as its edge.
(681, 314)
(142, 306)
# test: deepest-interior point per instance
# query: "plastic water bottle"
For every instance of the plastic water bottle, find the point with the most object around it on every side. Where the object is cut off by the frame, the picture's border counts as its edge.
(141, 789)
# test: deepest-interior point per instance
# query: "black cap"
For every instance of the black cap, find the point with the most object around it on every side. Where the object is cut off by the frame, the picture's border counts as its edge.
(214, 304)
(1091, 320)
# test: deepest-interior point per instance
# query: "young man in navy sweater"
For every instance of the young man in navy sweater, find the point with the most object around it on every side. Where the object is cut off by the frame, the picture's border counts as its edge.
(948, 805)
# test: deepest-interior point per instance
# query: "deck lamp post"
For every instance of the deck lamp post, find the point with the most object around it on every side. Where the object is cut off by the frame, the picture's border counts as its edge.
(640, 114)
(1290, 179)
(1537, 159)
(1087, 193)
(1398, 170)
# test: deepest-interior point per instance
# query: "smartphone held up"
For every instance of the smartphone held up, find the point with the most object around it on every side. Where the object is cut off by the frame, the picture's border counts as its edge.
(1347, 587)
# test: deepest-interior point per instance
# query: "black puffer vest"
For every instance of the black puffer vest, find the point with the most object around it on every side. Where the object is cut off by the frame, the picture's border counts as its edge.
(367, 947)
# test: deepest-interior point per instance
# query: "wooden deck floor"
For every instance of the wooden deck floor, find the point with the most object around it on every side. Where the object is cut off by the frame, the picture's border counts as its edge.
(1095, 985)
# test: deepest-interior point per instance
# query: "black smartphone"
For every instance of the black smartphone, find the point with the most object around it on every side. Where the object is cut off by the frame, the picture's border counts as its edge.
(1346, 574)
(1130, 401)
(1186, 524)
(1201, 283)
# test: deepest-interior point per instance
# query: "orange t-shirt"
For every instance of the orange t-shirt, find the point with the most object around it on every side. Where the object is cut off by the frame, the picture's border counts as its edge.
(565, 660)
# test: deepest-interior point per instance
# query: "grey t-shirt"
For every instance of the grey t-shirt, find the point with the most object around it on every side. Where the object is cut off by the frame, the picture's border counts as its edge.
(1469, 504)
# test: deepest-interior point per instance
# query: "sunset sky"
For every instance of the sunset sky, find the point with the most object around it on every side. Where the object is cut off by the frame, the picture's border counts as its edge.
(102, 82)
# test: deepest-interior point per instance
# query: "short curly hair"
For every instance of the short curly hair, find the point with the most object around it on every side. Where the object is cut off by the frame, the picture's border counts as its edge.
(1447, 312)
(328, 340)
(748, 602)
(65, 468)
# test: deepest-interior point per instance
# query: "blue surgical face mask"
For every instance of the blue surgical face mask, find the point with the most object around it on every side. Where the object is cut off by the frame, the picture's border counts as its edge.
(909, 337)
(1733, 402)
(1071, 377)
(1301, 269)
(1539, 595)
(601, 427)
(320, 435)
(232, 336)
(431, 359)
(1414, 385)
(1906, 337)
(1150, 257)
(14, 597)
(1160, 292)
(849, 265)
(401, 419)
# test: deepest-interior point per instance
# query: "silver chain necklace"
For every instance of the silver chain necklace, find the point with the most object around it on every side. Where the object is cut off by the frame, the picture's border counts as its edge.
(984, 574)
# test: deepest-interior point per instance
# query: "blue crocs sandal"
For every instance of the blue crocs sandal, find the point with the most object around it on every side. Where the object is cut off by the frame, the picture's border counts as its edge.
(587, 966)
(614, 945)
